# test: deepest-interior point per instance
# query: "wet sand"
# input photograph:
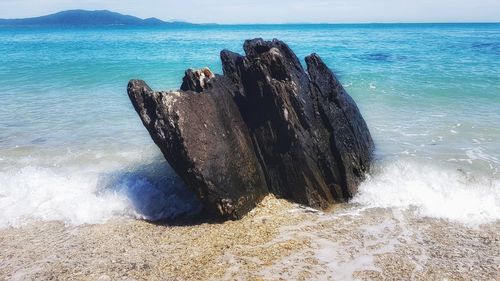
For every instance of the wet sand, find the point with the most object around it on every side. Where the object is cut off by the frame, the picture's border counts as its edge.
(276, 241)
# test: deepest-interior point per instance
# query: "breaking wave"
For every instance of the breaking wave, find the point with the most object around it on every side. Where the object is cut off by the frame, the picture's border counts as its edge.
(154, 192)
(89, 197)
(435, 191)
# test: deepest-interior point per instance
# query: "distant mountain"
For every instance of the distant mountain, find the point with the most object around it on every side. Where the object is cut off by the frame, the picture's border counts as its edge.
(87, 18)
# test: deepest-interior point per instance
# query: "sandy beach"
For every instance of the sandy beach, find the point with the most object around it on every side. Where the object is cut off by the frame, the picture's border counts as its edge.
(276, 241)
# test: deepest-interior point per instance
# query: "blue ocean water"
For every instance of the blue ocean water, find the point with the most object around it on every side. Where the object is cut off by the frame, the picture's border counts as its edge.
(73, 149)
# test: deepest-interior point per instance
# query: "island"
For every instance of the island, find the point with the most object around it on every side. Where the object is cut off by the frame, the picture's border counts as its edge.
(89, 18)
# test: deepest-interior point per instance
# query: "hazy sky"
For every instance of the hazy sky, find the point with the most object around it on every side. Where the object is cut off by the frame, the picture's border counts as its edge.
(277, 11)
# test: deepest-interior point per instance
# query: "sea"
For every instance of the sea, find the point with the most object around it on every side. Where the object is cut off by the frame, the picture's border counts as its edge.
(73, 150)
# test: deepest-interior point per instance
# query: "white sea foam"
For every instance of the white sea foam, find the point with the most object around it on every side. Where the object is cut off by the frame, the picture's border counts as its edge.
(34, 193)
(79, 197)
(436, 191)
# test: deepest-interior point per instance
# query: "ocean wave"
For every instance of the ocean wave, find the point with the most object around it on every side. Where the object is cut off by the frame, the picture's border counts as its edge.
(153, 192)
(435, 191)
(88, 197)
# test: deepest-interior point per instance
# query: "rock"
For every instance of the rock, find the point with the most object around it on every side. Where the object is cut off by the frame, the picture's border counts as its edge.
(203, 137)
(195, 80)
(352, 139)
(266, 125)
(310, 138)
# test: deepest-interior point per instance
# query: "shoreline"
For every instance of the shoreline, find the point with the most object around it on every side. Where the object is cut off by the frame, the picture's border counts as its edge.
(277, 241)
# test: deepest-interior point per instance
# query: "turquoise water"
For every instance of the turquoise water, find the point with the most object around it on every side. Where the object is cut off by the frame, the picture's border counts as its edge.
(73, 149)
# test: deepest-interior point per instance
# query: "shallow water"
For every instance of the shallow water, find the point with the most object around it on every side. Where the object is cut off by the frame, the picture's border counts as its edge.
(72, 148)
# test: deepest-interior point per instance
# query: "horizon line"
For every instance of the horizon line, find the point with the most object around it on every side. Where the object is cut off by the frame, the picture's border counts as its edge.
(270, 23)
(348, 23)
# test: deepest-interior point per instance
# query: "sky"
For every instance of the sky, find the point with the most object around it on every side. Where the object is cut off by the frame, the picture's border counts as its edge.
(273, 11)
